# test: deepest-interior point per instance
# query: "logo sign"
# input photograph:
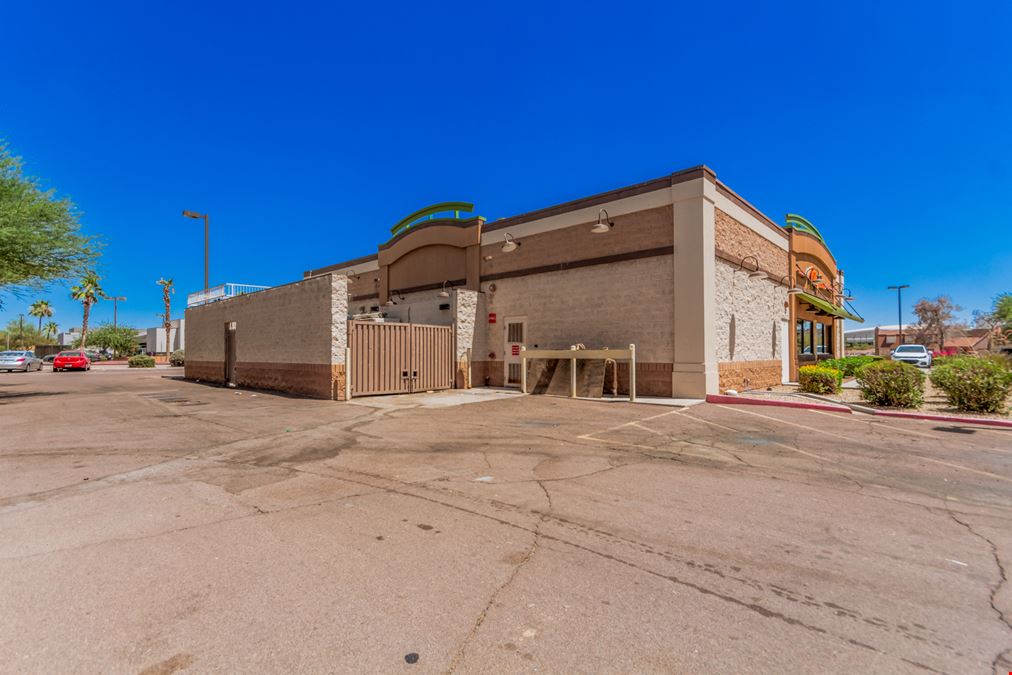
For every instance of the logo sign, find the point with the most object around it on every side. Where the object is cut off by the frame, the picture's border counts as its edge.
(491, 317)
(516, 350)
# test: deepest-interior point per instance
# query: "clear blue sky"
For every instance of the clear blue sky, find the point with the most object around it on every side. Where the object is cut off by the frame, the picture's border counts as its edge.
(308, 129)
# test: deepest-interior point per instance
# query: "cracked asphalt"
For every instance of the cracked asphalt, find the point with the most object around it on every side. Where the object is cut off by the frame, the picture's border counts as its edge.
(152, 525)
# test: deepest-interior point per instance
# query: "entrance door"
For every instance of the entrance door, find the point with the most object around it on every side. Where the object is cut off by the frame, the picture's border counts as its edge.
(230, 353)
(516, 336)
(785, 352)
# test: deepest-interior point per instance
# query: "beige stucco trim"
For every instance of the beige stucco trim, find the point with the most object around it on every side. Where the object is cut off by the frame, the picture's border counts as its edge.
(349, 270)
(694, 364)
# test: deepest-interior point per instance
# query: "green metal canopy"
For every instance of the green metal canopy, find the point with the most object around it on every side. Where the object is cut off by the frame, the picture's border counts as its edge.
(828, 307)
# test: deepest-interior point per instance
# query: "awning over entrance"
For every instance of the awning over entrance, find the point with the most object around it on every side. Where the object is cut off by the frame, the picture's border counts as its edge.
(828, 307)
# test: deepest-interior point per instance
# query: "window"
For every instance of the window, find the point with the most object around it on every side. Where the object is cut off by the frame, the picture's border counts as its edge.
(515, 332)
(805, 337)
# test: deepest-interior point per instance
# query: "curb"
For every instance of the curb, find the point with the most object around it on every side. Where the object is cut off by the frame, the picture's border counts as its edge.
(742, 400)
(1005, 424)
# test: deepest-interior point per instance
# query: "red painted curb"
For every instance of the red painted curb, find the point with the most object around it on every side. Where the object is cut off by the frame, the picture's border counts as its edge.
(743, 400)
(945, 418)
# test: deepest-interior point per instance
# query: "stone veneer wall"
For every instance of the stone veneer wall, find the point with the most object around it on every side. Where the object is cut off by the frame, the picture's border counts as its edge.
(748, 315)
(740, 241)
(610, 305)
(465, 312)
(289, 338)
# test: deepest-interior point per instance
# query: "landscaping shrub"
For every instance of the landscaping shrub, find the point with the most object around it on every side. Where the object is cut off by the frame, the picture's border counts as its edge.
(819, 379)
(141, 361)
(177, 358)
(974, 384)
(891, 383)
(849, 365)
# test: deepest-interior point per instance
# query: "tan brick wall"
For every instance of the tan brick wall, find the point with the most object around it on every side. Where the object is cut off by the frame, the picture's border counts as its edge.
(290, 338)
(740, 241)
(611, 305)
(742, 375)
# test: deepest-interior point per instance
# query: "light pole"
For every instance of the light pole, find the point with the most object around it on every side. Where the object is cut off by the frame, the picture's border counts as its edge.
(899, 306)
(207, 228)
(115, 299)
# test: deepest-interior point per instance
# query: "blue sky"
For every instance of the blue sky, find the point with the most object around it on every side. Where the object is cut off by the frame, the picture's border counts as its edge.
(307, 129)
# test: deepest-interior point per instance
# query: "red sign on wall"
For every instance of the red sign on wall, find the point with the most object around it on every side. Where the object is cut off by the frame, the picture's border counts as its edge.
(516, 350)
(491, 317)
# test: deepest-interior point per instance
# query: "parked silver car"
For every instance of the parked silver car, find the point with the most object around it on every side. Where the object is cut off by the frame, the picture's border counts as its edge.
(19, 360)
(917, 355)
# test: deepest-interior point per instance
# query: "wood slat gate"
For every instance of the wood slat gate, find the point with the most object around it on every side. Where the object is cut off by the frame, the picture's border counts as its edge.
(398, 358)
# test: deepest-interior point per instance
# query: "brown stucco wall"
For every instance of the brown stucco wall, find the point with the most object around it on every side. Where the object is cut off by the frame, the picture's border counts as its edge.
(289, 338)
(642, 230)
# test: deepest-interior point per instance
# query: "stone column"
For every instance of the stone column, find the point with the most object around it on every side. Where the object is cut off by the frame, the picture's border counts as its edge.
(694, 362)
(338, 334)
(465, 317)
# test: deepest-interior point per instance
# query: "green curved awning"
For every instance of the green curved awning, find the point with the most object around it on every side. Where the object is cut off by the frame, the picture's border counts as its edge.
(828, 307)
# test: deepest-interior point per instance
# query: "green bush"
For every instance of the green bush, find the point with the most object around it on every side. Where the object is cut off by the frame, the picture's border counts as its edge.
(891, 383)
(141, 361)
(974, 384)
(819, 379)
(849, 365)
(177, 358)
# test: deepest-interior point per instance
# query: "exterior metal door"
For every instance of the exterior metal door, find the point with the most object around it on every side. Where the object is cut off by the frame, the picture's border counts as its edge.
(230, 352)
(399, 358)
(516, 337)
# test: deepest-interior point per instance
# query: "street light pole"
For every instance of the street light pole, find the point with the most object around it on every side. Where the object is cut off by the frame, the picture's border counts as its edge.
(115, 299)
(207, 241)
(899, 307)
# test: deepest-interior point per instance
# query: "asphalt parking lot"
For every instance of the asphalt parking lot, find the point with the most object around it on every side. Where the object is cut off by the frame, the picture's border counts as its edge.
(153, 525)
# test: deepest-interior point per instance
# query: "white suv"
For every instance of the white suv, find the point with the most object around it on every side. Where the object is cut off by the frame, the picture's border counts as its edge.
(917, 355)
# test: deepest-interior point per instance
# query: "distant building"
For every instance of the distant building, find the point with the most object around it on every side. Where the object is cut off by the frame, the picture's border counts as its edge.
(884, 339)
(152, 340)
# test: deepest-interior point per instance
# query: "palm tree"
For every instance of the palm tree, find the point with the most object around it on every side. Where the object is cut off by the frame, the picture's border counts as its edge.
(87, 292)
(167, 291)
(41, 309)
(50, 329)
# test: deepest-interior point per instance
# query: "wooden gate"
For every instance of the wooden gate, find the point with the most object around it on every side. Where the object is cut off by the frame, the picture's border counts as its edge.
(398, 358)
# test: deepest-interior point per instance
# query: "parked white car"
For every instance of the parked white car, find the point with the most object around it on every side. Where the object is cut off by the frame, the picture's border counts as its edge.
(917, 355)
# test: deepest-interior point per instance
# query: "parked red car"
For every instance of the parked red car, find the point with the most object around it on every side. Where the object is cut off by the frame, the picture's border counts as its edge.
(73, 360)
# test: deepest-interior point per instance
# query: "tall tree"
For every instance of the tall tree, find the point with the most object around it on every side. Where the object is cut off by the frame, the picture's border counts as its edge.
(88, 291)
(935, 317)
(167, 291)
(41, 309)
(50, 329)
(40, 237)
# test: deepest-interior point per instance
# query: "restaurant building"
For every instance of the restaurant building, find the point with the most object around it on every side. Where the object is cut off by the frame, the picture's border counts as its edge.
(714, 294)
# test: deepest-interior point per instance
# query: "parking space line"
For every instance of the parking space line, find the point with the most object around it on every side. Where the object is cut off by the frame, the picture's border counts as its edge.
(795, 424)
(782, 445)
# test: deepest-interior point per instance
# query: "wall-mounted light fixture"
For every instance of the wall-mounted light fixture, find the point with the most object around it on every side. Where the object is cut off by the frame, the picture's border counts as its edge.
(792, 290)
(752, 274)
(604, 223)
(510, 244)
(444, 293)
(391, 302)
